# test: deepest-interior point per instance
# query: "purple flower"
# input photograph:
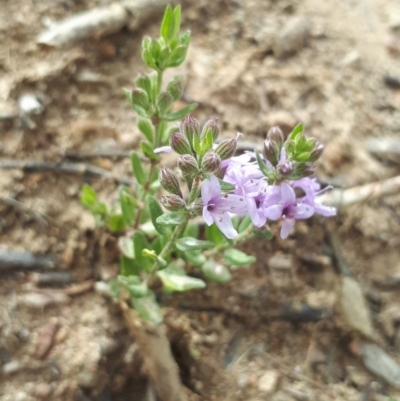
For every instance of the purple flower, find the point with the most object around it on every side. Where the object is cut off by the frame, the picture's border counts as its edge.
(218, 205)
(289, 210)
(312, 190)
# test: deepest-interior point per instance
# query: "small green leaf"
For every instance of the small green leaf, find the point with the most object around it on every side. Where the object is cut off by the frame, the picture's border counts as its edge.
(146, 148)
(296, 131)
(226, 186)
(180, 114)
(128, 205)
(214, 234)
(126, 246)
(234, 257)
(184, 39)
(207, 143)
(177, 282)
(137, 168)
(166, 23)
(195, 258)
(244, 224)
(129, 267)
(196, 144)
(146, 128)
(155, 212)
(114, 288)
(191, 230)
(172, 218)
(139, 243)
(192, 244)
(177, 57)
(216, 272)
(116, 222)
(148, 59)
(148, 308)
(263, 167)
(88, 196)
(264, 234)
(154, 257)
(134, 285)
(177, 21)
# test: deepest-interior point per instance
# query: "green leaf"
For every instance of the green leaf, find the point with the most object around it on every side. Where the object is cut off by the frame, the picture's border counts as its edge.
(148, 308)
(195, 258)
(234, 257)
(207, 143)
(177, 57)
(264, 234)
(116, 222)
(177, 21)
(148, 59)
(137, 168)
(214, 234)
(126, 246)
(244, 224)
(134, 285)
(128, 205)
(192, 244)
(296, 131)
(226, 186)
(114, 288)
(88, 196)
(172, 218)
(129, 267)
(184, 39)
(196, 144)
(146, 128)
(167, 23)
(180, 114)
(139, 243)
(263, 167)
(155, 212)
(216, 272)
(90, 201)
(146, 148)
(144, 82)
(152, 255)
(177, 282)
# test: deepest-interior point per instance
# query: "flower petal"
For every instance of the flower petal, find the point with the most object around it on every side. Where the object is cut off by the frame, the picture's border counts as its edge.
(325, 211)
(224, 223)
(303, 211)
(273, 212)
(287, 226)
(207, 216)
(288, 195)
(163, 149)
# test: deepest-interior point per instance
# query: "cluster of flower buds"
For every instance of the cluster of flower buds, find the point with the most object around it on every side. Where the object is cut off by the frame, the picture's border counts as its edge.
(292, 159)
(262, 186)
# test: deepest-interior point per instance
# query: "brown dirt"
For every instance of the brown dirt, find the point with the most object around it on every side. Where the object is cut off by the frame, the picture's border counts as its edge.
(246, 340)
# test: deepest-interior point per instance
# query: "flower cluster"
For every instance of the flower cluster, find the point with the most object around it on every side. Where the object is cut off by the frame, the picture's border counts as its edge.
(274, 185)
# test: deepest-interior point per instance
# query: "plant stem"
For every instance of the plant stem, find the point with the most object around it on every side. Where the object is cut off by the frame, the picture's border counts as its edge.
(194, 192)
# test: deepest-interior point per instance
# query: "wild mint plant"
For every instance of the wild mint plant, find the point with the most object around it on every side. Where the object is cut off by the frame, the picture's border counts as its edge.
(232, 196)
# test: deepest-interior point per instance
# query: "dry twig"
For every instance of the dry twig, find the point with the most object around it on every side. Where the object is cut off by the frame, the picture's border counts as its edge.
(11, 261)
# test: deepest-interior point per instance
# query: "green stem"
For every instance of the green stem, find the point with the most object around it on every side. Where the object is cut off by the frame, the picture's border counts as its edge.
(194, 192)
(159, 80)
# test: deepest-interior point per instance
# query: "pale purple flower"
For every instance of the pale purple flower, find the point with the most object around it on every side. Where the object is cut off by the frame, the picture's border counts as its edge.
(218, 205)
(312, 190)
(289, 210)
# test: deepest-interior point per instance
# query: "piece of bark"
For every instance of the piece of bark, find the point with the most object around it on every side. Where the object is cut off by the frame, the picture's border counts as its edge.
(46, 338)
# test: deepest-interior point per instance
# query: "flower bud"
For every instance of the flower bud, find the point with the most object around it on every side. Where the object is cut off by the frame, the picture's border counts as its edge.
(188, 165)
(211, 162)
(173, 203)
(139, 98)
(213, 126)
(271, 152)
(316, 152)
(175, 88)
(285, 169)
(226, 149)
(164, 102)
(275, 135)
(179, 143)
(196, 208)
(169, 181)
(302, 170)
(191, 127)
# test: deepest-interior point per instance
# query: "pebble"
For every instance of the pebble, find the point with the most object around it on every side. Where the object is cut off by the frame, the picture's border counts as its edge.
(354, 309)
(43, 391)
(102, 288)
(293, 37)
(88, 378)
(40, 300)
(377, 361)
(11, 367)
(269, 381)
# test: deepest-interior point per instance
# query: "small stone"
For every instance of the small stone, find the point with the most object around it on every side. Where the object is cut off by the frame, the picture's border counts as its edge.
(269, 381)
(11, 367)
(354, 308)
(108, 346)
(88, 378)
(242, 380)
(21, 396)
(293, 37)
(377, 361)
(102, 288)
(43, 391)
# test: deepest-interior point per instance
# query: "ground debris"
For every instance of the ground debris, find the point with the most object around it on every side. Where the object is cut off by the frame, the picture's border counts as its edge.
(46, 338)
(269, 381)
